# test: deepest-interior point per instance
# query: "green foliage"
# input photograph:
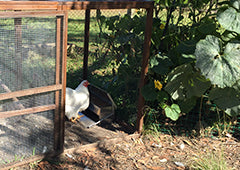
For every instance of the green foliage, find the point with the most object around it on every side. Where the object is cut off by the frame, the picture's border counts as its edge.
(226, 99)
(195, 54)
(123, 46)
(185, 82)
(214, 160)
(172, 111)
(160, 64)
(230, 20)
(149, 92)
(220, 65)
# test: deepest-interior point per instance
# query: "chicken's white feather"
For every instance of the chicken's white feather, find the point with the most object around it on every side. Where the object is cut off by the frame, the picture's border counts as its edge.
(77, 100)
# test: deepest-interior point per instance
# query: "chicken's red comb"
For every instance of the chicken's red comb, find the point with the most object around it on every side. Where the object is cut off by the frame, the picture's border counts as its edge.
(86, 83)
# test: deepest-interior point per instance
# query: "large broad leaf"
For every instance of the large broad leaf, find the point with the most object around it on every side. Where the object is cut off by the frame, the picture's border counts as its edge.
(160, 64)
(207, 26)
(230, 19)
(149, 92)
(172, 111)
(227, 99)
(188, 104)
(221, 68)
(235, 4)
(228, 36)
(186, 47)
(185, 82)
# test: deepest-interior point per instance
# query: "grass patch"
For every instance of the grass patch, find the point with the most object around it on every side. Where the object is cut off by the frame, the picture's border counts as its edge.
(210, 160)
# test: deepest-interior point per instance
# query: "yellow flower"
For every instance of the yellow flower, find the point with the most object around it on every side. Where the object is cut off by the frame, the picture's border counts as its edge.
(162, 26)
(157, 84)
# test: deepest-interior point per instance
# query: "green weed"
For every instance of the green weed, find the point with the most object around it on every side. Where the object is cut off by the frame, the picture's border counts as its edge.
(213, 160)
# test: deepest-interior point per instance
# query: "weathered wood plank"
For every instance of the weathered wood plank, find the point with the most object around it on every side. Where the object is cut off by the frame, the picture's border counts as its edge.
(20, 14)
(31, 91)
(108, 5)
(28, 5)
(80, 5)
(26, 111)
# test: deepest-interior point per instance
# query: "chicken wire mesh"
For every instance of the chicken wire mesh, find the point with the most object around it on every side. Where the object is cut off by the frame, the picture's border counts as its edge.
(24, 136)
(76, 26)
(106, 42)
(27, 49)
(27, 61)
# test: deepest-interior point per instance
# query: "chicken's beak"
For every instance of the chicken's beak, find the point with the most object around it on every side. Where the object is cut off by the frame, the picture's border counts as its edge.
(87, 83)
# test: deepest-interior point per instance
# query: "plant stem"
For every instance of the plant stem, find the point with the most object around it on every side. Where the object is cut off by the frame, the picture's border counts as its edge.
(200, 112)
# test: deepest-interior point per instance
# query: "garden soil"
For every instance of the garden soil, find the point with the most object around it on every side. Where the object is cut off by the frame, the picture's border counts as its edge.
(115, 146)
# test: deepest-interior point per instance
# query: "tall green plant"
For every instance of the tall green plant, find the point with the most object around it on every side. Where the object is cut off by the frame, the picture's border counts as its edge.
(202, 60)
(124, 41)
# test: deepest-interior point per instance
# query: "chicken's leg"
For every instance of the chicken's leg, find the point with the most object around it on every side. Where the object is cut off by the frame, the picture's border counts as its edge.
(73, 120)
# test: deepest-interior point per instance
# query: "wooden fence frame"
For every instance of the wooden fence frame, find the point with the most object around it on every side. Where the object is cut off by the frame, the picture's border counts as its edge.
(59, 87)
(35, 7)
(127, 4)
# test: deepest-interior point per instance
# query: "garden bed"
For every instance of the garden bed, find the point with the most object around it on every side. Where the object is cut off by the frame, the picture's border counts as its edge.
(160, 151)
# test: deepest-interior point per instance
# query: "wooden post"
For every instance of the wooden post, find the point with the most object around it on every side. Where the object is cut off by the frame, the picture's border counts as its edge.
(146, 54)
(57, 81)
(64, 78)
(61, 62)
(86, 43)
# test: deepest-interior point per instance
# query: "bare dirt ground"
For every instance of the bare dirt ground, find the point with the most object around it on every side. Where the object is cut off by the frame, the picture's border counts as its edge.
(112, 148)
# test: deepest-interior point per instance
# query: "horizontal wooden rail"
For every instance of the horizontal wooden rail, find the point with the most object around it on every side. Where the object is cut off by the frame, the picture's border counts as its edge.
(80, 5)
(27, 111)
(28, 5)
(27, 92)
(20, 14)
(108, 4)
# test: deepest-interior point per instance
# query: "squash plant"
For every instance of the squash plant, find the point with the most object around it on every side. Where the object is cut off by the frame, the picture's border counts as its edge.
(206, 62)
(123, 43)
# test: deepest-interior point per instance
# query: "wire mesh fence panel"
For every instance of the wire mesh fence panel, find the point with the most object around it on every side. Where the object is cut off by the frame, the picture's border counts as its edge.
(76, 27)
(25, 136)
(27, 51)
(110, 32)
(31, 63)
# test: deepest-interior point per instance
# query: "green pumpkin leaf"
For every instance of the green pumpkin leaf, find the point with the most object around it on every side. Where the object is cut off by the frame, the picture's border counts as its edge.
(228, 36)
(172, 111)
(208, 26)
(162, 96)
(186, 47)
(149, 92)
(185, 82)
(230, 19)
(226, 99)
(235, 4)
(188, 104)
(160, 64)
(221, 68)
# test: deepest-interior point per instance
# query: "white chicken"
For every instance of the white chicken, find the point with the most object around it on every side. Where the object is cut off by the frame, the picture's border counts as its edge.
(76, 101)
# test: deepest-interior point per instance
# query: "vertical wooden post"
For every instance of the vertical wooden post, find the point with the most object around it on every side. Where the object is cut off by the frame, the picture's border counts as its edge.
(64, 75)
(86, 43)
(57, 81)
(61, 62)
(146, 54)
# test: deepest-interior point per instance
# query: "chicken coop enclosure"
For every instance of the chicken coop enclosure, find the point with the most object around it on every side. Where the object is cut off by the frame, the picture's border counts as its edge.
(33, 54)
(32, 76)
